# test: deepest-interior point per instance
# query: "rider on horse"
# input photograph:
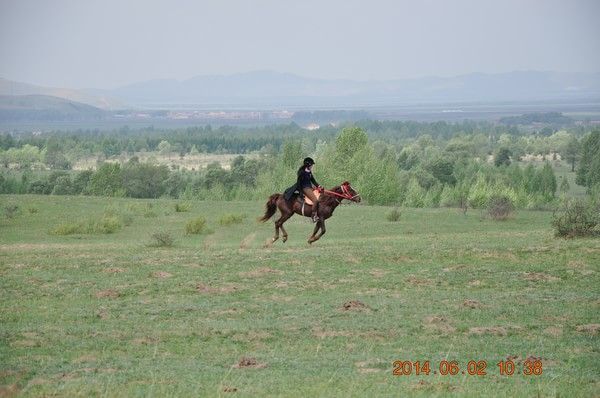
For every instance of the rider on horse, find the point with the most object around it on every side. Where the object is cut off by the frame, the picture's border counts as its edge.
(305, 182)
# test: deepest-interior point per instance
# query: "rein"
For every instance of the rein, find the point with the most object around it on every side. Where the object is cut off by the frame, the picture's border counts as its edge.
(344, 195)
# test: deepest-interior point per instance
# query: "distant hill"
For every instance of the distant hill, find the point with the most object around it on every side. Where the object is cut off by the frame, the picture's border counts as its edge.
(554, 118)
(103, 101)
(45, 108)
(268, 89)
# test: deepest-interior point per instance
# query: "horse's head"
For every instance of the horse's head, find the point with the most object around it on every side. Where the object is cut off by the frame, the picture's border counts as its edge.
(349, 192)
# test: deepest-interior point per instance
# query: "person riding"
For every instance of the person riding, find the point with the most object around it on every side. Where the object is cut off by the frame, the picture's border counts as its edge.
(305, 183)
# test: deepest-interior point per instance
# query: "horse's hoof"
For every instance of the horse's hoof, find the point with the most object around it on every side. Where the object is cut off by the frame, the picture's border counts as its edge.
(284, 239)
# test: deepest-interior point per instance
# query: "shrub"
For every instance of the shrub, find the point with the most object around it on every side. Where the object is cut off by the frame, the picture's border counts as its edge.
(182, 207)
(32, 210)
(106, 225)
(11, 211)
(67, 229)
(228, 219)
(394, 215)
(577, 217)
(161, 239)
(500, 207)
(195, 226)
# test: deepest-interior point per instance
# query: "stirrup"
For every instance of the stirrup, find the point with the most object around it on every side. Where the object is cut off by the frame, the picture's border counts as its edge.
(315, 217)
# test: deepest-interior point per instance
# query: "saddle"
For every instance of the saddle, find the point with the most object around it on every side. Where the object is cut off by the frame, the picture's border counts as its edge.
(293, 191)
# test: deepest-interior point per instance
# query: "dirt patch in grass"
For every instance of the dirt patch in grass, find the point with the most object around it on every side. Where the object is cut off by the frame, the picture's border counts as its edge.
(257, 273)
(355, 305)
(438, 323)
(85, 358)
(247, 241)
(472, 304)
(202, 288)
(401, 259)
(249, 362)
(539, 276)
(493, 330)
(553, 331)
(11, 390)
(377, 273)
(475, 283)
(229, 389)
(590, 328)
(161, 274)
(454, 268)
(416, 281)
(108, 293)
(114, 270)
(145, 341)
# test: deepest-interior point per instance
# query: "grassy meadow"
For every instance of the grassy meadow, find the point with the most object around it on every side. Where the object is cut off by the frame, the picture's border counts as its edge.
(222, 314)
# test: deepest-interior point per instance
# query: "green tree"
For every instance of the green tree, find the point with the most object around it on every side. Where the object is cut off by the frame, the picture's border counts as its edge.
(548, 181)
(588, 173)
(144, 180)
(502, 157)
(572, 151)
(107, 180)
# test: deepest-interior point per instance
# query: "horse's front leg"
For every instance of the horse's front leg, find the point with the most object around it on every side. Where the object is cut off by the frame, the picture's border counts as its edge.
(314, 236)
(321, 225)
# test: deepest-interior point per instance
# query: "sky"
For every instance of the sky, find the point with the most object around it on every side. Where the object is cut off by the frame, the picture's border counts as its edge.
(108, 43)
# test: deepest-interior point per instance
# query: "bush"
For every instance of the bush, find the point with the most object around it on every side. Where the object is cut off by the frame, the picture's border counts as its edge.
(229, 219)
(500, 207)
(394, 215)
(182, 207)
(577, 217)
(195, 226)
(11, 211)
(161, 239)
(106, 225)
(68, 229)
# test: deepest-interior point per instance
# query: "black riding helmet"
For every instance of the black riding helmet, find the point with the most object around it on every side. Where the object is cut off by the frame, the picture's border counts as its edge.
(308, 162)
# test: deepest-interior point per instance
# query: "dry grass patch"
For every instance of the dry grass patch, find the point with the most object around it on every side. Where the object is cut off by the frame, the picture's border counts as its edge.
(249, 362)
(438, 323)
(472, 304)
(202, 288)
(161, 274)
(539, 276)
(258, 272)
(108, 293)
(493, 330)
(590, 328)
(355, 305)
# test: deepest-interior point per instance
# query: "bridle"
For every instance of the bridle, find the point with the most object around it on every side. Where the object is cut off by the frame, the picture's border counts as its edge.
(344, 195)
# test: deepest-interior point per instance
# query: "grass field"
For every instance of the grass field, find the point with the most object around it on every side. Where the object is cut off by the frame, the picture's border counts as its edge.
(218, 314)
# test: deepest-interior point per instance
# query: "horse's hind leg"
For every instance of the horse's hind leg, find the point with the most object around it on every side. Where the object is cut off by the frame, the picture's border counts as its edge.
(279, 224)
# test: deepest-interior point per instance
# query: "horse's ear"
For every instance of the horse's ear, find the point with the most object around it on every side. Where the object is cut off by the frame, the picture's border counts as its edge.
(345, 183)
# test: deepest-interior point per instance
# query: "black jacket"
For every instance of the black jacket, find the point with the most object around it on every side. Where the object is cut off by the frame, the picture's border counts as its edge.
(305, 180)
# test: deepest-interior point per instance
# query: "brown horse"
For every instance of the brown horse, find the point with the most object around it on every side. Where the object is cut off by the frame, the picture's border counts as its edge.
(329, 200)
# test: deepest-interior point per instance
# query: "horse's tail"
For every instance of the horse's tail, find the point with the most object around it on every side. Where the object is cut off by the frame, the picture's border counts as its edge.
(270, 207)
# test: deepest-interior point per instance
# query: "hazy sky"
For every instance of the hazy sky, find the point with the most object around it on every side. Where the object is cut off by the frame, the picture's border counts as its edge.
(106, 43)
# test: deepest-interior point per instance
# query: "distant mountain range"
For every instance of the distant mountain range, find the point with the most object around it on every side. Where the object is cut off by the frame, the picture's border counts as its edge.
(267, 88)
(18, 108)
(11, 88)
(272, 90)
